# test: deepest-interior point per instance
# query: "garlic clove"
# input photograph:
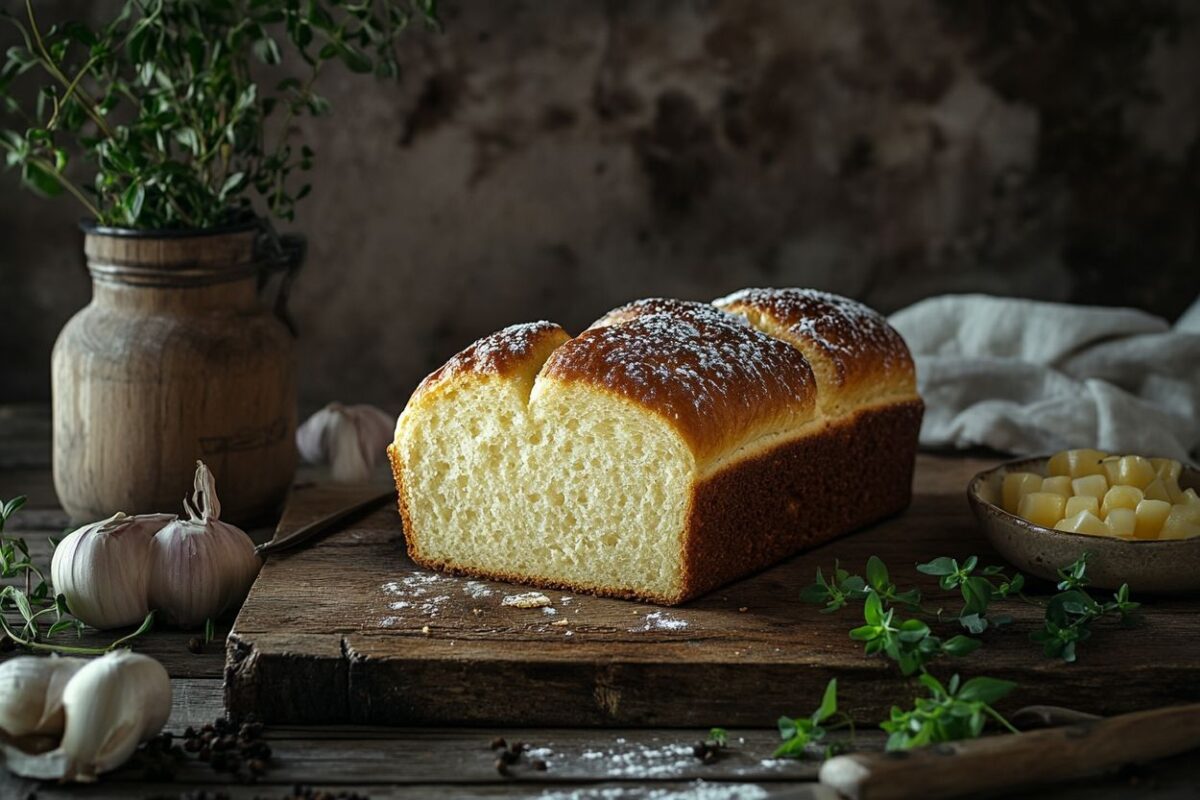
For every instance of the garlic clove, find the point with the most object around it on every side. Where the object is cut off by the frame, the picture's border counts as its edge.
(104, 708)
(31, 690)
(352, 439)
(200, 566)
(101, 568)
(111, 705)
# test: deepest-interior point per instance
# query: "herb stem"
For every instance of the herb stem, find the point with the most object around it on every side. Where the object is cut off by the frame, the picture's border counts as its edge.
(51, 67)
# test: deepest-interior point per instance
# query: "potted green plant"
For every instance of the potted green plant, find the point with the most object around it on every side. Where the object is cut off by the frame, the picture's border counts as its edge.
(174, 126)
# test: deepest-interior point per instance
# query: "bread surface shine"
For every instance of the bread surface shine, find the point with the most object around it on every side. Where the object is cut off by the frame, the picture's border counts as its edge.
(670, 447)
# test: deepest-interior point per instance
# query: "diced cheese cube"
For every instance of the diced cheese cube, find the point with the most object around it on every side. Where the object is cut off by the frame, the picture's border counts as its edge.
(1111, 467)
(1174, 493)
(1016, 485)
(1121, 522)
(1120, 497)
(1042, 508)
(1057, 484)
(1090, 486)
(1058, 464)
(1189, 497)
(1189, 512)
(1151, 514)
(1135, 471)
(1167, 468)
(1081, 503)
(1085, 462)
(1180, 524)
(1157, 490)
(1083, 522)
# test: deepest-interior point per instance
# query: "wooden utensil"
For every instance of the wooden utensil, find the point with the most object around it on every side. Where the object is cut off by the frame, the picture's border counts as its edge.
(1003, 762)
(325, 523)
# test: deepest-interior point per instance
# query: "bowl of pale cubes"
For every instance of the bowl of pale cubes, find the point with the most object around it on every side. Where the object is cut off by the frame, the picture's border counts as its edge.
(1137, 518)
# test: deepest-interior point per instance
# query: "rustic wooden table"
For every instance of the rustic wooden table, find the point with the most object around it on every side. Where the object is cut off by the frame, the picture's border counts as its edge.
(612, 764)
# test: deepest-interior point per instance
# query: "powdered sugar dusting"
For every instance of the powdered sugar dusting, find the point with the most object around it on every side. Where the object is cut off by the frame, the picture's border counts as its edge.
(492, 353)
(698, 366)
(661, 621)
(696, 790)
(422, 592)
(477, 589)
(845, 329)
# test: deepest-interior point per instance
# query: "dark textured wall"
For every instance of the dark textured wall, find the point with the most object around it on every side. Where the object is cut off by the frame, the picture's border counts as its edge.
(553, 159)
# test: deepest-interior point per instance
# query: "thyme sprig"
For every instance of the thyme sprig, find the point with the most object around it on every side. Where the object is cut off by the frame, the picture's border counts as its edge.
(181, 108)
(37, 604)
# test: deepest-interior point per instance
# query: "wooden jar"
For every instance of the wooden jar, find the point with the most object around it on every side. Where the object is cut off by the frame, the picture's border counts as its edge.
(174, 360)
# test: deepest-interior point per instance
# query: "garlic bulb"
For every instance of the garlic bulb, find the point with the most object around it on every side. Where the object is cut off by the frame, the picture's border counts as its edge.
(113, 703)
(103, 569)
(31, 693)
(102, 708)
(200, 566)
(352, 439)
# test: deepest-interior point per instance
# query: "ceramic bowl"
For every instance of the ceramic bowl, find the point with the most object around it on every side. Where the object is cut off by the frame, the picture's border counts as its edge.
(1147, 566)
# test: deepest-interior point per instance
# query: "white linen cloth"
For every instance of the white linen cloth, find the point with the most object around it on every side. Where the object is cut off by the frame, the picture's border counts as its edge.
(1030, 377)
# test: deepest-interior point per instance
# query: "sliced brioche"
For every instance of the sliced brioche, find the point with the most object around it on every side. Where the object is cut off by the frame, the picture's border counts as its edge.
(668, 448)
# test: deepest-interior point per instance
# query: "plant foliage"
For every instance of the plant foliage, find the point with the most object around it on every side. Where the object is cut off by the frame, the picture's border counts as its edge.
(183, 110)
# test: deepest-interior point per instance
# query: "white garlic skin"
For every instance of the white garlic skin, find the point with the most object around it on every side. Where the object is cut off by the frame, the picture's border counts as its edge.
(103, 569)
(199, 570)
(112, 704)
(352, 439)
(31, 689)
(200, 567)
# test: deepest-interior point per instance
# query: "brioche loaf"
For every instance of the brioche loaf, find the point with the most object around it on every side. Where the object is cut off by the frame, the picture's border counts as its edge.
(669, 448)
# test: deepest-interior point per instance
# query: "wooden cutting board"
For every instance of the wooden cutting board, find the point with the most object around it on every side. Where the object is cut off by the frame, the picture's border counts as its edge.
(349, 630)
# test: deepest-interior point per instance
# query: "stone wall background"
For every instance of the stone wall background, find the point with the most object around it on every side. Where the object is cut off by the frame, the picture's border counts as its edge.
(554, 159)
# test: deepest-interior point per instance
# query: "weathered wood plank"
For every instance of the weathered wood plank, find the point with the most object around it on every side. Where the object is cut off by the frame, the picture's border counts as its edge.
(420, 647)
(513, 790)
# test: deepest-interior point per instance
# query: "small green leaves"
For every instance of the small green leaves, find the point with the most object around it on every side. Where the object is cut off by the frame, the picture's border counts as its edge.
(719, 736)
(1071, 613)
(40, 179)
(190, 146)
(836, 592)
(1074, 575)
(828, 705)
(799, 733)
(37, 603)
(950, 712)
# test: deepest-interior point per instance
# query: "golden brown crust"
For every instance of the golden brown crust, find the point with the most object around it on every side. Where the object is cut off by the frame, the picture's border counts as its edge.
(717, 381)
(801, 494)
(507, 352)
(683, 309)
(758, 511)
(856, 355)
(722, 377)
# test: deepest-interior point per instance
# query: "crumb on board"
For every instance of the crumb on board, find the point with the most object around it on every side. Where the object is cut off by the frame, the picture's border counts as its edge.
(526, 600)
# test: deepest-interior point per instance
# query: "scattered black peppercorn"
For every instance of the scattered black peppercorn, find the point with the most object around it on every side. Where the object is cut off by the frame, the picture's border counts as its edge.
(507, 755)
(708, 752)
(230, 748)
(308, 793)
(195, 645)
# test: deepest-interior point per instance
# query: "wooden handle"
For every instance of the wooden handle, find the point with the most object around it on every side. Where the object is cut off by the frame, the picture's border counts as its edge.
(1020, 759)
